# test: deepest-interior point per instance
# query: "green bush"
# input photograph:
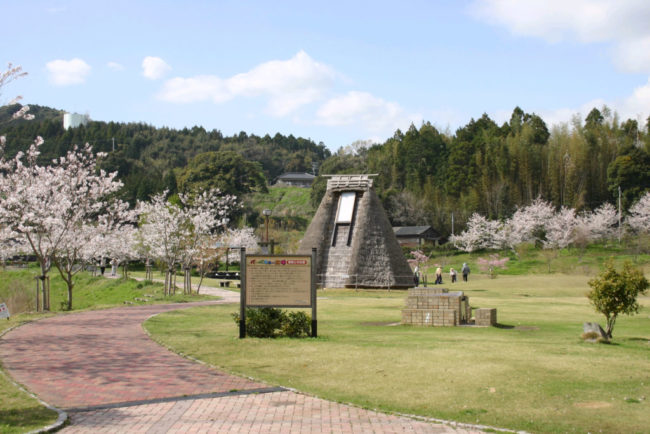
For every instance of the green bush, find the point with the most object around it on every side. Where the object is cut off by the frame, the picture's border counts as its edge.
(271, 322)
(297, 324)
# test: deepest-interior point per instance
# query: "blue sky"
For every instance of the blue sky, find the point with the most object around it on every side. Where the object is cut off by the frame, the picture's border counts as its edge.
(335, 71)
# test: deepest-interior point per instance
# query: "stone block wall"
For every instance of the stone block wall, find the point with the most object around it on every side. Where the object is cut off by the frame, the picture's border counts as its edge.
(485, 317)
(434, 307)
(430, 317)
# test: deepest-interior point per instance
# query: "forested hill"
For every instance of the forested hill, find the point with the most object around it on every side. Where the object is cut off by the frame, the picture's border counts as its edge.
(425, 176)
(150, 159)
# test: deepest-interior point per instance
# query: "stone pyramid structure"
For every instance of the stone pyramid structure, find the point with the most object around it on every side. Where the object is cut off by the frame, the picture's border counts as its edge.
(355, 242)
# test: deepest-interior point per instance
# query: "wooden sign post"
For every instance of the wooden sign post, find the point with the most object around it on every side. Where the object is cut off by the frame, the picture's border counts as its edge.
(277, 281)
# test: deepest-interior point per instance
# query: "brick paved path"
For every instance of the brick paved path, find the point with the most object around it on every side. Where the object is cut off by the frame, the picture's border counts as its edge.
(104, 358)
(280, 412)
(101, 357)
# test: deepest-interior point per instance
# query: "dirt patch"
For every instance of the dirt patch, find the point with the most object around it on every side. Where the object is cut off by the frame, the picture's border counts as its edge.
(379, 323)
(593, 404)
(527, 328)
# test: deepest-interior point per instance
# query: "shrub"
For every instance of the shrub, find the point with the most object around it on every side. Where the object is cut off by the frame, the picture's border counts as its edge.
(270, 322)
(297, 325)
(613, 292)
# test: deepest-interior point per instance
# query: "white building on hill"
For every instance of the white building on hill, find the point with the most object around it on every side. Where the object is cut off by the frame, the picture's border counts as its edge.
(73, 120)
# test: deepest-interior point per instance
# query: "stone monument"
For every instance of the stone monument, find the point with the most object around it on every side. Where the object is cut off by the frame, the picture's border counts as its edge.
(355, 242)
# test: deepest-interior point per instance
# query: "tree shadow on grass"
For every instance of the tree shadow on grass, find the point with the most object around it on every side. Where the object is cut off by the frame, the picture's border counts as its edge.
(30, 417)
(638, 339)
(504, 326)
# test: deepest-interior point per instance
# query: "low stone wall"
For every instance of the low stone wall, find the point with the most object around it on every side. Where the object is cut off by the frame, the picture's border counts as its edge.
(430, 317)
(435, 307)
(485, 317)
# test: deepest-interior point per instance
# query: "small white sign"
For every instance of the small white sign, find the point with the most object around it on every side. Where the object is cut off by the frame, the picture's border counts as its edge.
(4, 311)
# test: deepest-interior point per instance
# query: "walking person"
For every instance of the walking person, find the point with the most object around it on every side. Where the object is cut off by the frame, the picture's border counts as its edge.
(416, 276)
(114, 267)
(452, 275)
(102, 265)
(438, 276)
(465, 271)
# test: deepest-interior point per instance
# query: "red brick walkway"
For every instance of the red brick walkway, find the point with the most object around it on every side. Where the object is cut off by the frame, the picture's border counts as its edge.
(101, 357)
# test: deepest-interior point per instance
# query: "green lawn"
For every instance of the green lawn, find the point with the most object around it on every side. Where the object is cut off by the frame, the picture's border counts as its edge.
(532, 373)
(19, 412)
(531, 260)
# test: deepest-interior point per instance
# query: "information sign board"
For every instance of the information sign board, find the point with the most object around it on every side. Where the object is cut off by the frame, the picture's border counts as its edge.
(278, 281)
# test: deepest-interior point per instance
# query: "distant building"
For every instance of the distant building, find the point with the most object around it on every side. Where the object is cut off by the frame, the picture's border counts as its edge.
(73, 120)
(415, 236)
(295, 179)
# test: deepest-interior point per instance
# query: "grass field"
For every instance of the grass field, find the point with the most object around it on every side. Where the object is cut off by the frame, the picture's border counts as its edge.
(19, 412)
(531, 260)
(533, 372)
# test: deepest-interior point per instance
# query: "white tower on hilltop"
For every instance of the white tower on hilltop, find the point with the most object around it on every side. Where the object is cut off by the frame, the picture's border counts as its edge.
(73, 120)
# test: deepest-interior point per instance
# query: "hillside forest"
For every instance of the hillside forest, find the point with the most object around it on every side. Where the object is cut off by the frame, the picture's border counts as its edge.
(424, 175)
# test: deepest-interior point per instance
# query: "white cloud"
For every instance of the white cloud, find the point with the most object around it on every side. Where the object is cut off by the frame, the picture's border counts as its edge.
(154, 68)
(199, 88)
(67, 72)
(115, 66)
(287, 84)
(366, 110)
(623, 23)
(635, 106)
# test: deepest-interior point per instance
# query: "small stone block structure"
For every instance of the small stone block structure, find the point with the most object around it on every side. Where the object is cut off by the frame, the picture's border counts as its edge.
(436, 307)
(485, 317)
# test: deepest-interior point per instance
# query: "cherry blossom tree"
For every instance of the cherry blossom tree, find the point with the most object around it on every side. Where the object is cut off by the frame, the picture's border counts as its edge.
(233, 239)
(601, 223)
(29, 206)
(528, 224)
(560, 229)
(481, 233)
(206, 212)
(10, 74)
(174, 234)
(491, 264)
(639, 215)
(161, 233)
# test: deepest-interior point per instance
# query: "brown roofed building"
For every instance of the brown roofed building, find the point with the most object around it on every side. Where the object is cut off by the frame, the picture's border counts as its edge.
(416, 236)
(295, 179)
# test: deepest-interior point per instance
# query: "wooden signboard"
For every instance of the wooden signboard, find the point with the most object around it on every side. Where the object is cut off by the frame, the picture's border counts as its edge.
(277, 281)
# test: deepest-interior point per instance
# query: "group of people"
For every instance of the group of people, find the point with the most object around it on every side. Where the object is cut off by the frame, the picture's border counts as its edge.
(453, 274)
(102, 266)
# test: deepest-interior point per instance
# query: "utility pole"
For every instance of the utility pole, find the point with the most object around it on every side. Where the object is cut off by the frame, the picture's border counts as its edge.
(452, 223)
(619, 214)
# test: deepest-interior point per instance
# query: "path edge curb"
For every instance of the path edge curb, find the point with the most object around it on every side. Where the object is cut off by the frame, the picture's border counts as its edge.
(62, 418)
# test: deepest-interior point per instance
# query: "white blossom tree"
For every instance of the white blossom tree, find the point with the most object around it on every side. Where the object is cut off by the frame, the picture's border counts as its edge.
(233, 239)
(528, 224)
(481, 233)
(161, 233)
(639, 215)
(560, 229)
(173, 234)
(206, 213)
(601, 223)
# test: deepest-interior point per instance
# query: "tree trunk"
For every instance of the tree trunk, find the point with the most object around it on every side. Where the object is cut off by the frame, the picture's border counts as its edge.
(610, 326)
(198, 288)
